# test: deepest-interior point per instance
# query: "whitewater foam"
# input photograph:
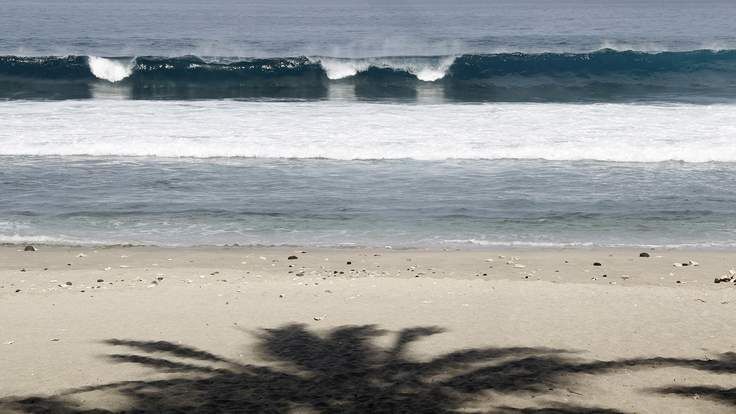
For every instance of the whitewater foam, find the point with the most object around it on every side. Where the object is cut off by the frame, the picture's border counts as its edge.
(338, 130)
(109, 69)
(425, 69)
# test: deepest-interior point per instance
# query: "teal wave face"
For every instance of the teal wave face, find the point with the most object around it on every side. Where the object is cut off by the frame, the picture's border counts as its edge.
(605, 75)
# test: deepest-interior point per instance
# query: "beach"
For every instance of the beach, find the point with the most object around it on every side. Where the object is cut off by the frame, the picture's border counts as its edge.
(288, 329)
(341, 206)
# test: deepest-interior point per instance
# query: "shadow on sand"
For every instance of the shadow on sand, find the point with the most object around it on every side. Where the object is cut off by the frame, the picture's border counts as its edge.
(344, 371)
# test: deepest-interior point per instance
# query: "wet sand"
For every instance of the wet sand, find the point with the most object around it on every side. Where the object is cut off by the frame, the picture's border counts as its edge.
(148, 329)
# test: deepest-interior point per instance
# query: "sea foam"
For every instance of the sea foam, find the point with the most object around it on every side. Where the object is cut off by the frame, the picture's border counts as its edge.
(346, 131)
(428, 70)
(109, 69)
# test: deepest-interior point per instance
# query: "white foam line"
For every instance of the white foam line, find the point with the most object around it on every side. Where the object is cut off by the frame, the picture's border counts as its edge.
(346, 131)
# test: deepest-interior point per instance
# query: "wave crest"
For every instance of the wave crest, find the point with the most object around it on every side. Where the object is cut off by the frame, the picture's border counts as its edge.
(427, 69)
(605, 75)
(111, 70)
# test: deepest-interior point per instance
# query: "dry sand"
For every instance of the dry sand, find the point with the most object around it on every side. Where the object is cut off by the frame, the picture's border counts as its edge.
(146, 329)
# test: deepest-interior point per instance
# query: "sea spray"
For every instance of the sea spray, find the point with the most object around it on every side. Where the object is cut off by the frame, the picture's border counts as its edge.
(111, 70)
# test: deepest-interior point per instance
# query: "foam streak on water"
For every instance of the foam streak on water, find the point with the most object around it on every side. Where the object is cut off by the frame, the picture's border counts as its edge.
(347, 131)
(101, 200)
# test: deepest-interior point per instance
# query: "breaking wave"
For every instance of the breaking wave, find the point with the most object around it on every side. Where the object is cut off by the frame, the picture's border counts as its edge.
(109, 69)
(370, 131)
(604, 75)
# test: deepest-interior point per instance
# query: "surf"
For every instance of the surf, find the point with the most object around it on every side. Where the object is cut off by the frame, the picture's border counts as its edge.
(110, 70)
(370, 131)
(602, 76)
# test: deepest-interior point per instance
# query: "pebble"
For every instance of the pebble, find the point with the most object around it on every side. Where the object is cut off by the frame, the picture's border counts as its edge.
(29, 248)
(597, 264)
(292, 257)
(643, 254)
(723, 279)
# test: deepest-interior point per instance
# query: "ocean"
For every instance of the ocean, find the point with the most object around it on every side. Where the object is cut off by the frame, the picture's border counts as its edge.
(373, 123)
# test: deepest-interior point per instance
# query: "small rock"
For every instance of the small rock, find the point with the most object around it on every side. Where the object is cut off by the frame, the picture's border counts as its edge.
(68, 283)
(282, 295)
(349, 263)
(597, 264)
(292, 257)
(723, 279)
(100, 280)
(643, 254)
(29, 248)
(319, 318)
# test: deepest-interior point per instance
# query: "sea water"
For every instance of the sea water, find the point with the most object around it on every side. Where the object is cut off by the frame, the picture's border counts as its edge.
(413, 123)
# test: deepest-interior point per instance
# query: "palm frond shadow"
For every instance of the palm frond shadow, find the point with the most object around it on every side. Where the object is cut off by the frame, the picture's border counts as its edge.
(339, 371)
(724, 364)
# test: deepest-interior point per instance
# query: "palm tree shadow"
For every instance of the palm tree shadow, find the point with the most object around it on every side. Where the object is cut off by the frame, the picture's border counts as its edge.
(724, 364)
(339, 371)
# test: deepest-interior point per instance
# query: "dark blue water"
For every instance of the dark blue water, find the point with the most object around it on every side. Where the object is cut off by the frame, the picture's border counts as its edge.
(359, 28)
(539, 51)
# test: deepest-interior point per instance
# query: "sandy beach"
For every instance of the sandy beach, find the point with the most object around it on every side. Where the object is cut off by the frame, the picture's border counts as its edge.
(148, 329)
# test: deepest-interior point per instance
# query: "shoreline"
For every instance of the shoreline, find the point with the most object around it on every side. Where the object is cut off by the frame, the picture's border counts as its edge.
(507, 263)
